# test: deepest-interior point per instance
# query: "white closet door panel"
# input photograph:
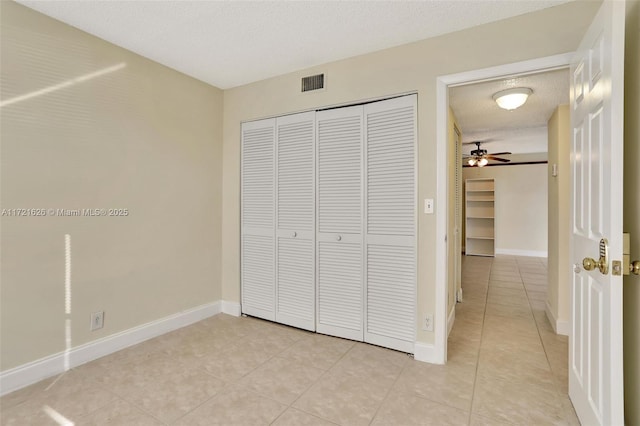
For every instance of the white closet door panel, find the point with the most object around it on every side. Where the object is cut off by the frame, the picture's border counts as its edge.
(258, 289)
(257, 219)
(390, 225)
(339, 151)
(257, 174)
(296, 293)
(339, 239)
(391, 296)
(390, 161)
(340, 289)
(295, 218)
(295, 165)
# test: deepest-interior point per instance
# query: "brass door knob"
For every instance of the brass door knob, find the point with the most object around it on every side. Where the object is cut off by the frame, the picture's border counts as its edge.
(634, 268)
(589, 264)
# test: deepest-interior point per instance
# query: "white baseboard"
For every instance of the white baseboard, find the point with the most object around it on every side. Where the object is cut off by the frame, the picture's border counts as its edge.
(32, 372)
(426, 352)
(451, 319)
(516, 252)
(559, 326)
(231, 308)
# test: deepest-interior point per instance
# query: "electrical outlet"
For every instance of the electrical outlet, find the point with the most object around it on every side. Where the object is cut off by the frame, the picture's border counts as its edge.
(428, 323)
(97, 320)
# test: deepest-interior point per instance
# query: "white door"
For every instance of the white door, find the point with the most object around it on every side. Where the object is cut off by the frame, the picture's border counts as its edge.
(339, 237)
(295, 219)
(257, 219)
(390, 225)
(595, 346)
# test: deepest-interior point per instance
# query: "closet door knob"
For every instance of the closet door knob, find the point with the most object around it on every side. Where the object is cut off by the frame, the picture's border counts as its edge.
(294, 234)
(339, 237)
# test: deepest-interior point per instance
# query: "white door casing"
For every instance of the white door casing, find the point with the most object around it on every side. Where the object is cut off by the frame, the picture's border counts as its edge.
(595, 344)
(295, 220)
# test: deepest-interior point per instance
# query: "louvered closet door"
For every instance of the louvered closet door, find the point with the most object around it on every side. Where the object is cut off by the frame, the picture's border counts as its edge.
(339, 236)
(257, 215)
(390, 236)
(295, 195)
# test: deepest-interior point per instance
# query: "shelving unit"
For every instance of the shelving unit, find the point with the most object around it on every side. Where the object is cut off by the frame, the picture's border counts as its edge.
(480, 217)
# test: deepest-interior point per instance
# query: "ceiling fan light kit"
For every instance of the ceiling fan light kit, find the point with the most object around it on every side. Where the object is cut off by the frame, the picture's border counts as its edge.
(511, 99)
(480, 157)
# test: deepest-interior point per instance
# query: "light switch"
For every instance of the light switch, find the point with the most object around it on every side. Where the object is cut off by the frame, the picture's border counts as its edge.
(428, 205)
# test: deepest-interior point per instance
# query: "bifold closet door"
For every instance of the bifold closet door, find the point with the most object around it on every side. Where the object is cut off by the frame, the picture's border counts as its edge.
(339, 238)
(390, 225)
(258, 219)
(295, 218)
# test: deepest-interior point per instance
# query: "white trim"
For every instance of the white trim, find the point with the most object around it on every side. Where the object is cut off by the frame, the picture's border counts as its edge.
(532, 66)
(439, 346)
(451, 319)
(32, 372)
(563, 328)
(426, 352)
(518, 252)
(442, 115)
(231, 308)
(559, 326)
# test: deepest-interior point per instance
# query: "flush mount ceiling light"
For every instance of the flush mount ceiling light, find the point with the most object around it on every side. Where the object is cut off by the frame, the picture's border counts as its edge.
(512, 98)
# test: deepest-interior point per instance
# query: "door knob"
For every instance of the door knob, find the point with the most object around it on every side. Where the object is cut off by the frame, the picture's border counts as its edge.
(627, 266)
(339, 237)
(589, 264)
(294, 234)
(602, 263)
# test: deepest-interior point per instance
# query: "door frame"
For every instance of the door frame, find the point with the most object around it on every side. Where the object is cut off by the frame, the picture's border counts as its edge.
(532, 66)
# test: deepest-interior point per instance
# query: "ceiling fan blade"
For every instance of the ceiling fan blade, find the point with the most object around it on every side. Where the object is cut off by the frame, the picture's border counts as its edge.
(504, 160)
(500, 153)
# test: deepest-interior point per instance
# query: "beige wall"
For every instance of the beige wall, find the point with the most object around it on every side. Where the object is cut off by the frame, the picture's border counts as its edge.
(632, 212)
(559, 273)
(411, 67)
(142, 137)
(520, 206)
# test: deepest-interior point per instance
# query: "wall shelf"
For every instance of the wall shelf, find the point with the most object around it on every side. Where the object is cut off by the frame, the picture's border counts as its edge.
(480, 217)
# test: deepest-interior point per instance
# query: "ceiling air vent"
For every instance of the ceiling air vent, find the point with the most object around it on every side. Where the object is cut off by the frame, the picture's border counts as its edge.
(313, 82)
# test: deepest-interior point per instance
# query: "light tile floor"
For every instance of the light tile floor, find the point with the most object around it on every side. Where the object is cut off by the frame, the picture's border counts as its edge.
(506, 366)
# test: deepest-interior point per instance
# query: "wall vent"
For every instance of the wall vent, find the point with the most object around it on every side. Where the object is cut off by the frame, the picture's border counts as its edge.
(313, 82)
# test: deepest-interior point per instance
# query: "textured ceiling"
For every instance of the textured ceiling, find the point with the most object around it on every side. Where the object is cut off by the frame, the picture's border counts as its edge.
(520, 131)
(231, 43)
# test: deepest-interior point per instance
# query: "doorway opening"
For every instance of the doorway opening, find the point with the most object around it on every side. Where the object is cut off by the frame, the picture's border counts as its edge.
(450, 178)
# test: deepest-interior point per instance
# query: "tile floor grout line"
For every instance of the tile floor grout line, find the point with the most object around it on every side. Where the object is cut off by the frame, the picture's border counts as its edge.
(389, 391)
(484, 316)
(325, 373)
(544, 347)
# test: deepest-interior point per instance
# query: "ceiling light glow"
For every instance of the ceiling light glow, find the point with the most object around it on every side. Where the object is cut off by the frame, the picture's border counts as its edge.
(511, 99)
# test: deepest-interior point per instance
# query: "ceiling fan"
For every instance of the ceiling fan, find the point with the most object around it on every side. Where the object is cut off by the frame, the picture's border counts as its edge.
(479, 157)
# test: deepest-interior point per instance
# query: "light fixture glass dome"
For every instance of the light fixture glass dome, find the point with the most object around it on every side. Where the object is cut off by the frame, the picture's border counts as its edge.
(483, 162)
(512, 98)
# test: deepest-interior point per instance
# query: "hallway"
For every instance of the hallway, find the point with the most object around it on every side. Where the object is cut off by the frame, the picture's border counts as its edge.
(501, 326)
